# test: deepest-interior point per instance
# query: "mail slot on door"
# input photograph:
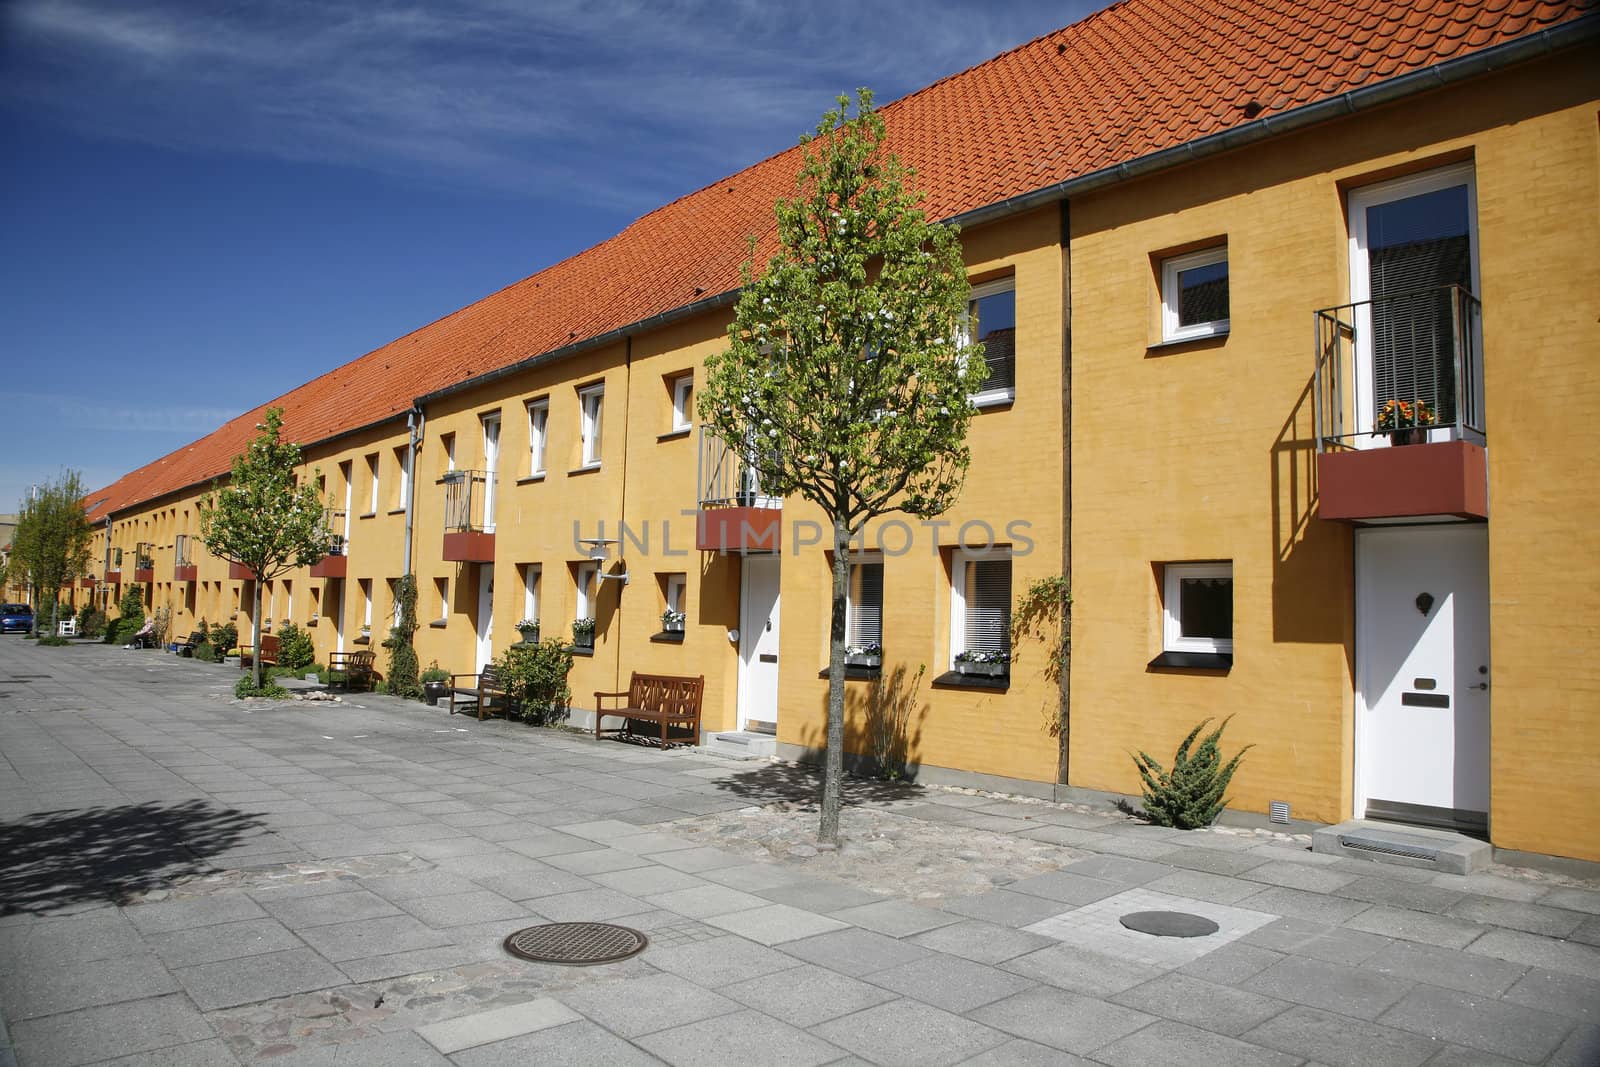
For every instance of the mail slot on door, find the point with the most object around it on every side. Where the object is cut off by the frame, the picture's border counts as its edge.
(1425, 700)
(769, 657)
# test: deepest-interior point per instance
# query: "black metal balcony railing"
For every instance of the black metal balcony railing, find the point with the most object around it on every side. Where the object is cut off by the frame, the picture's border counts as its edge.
(1420, 349)
(465, 495)
(726, 478)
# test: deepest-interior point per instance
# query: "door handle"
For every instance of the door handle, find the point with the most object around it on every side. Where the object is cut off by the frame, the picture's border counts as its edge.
(1480, 685)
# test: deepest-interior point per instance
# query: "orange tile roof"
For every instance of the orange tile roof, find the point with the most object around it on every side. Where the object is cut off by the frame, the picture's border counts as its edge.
(1136, 78)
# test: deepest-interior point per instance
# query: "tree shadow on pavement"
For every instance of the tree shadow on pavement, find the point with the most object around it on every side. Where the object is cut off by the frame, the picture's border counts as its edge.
(798, 783)
(54, 859)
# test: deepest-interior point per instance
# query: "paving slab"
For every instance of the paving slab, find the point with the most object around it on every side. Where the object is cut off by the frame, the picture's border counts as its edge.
(1005, 908)
(385, 1050)
(339, 942)
(29, 993)
(349, 906)
(953, 984)
(1081, 970)
(980, 942)
(806, 995)
(1553, 991)
(1358, 993)
(226, 941)
(1220, 1008)
(906, 1033)
(1061, 1020)
(1336, 1040)
(1536, 951)
(249, 979)
(646, 1003)
(1479, 1022)
(895, 917)
(95, 1034)
(721, 961)
(1515, 915)
(1440, 930)
(497, 1024)
(705, 899)
(1171, 1042)
(738, 1040)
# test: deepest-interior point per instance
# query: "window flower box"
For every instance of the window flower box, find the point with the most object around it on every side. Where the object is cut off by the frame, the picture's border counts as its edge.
(583, 633)
(984, 663)
(870, 655)
(529, 629)
(672, 621)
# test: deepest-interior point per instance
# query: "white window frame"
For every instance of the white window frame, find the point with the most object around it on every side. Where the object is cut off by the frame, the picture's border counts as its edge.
(1170, 295)
(449, 441)
(591, 425)
(958, 592)
(587, 577)
(538, 435)
(676, 584)
(1173, 639)
(531, 573)
(366, 597)
(403, 457)
(682, 394)
(374, 467)
(853, 594)
(288, 600)
(988, 397)
(444, 599)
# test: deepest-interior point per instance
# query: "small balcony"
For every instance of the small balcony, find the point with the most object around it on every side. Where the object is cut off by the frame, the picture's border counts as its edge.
(183, 565)
(1399, 409)
(336, 563)
(733, 515)
(240, 573)
(113, 573)
(144, 567)
(468, 522)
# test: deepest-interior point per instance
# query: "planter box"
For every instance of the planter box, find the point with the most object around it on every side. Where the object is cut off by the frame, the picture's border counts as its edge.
(864, 661)
(984, 670)
(529, 637)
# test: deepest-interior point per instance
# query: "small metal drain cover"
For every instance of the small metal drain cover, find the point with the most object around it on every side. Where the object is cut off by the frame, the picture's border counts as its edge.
(576, 944)
(1169, 923)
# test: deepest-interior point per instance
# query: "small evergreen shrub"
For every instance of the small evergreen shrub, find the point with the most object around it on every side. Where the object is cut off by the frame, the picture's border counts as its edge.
(245, 689)
(206, 652)
(224, 635)
(295, 648)
(1190, 795)
(535, 677)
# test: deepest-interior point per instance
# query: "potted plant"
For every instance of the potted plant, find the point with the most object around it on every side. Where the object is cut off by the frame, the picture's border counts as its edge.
(583, 633)
(1406, 421)
(672, 621)
(984, 663)
(867, 655)
(435, 683)
(366, 634)
(529, 629)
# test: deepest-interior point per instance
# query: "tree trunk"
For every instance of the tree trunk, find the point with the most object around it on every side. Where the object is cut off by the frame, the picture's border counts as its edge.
(833, 756)
(255, 635)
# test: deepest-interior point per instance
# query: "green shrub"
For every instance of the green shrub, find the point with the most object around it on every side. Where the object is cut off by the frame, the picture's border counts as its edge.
(295, 648)
(434, 673)
(53, 640)
(131, 608)
(224, 635)
(206, 652)
(244, 689)
(1191, 794)
(402, 654)
(91, 623)
(535, 677)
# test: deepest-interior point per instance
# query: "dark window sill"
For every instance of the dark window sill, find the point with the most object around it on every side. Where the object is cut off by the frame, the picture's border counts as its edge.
(362, 641)
(587, 468)
(1167, 348)
(854, 673)
(668, 637)
(368, 515)
(581, 650)
(311, 622)
(530, 479)
(957, 680)
(1192, 661)
(439, 624)
(672, 435)
(397, 511)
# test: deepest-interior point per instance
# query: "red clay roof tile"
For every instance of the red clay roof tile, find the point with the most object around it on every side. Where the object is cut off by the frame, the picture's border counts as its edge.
(1138, 77)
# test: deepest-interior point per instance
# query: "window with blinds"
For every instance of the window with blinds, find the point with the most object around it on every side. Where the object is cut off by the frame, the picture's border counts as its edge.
(864, 619)
(987, 605)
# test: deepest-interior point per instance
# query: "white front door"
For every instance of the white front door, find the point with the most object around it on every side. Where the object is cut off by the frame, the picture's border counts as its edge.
(485, 616)
(491, 464)
(335, 607)
(758, 643)
(1422, 669)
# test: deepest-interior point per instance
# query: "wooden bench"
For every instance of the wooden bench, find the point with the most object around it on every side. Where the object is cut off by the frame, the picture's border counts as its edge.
(665, 700)
(269, 652)
(353, 668)
(187, 648)
(486, 689)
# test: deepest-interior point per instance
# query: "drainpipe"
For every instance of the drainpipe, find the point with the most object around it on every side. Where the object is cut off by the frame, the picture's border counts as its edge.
(622, 498)
(416, 422)
(1064, 710)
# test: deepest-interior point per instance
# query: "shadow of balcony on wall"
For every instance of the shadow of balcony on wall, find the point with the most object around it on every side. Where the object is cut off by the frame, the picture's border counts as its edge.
(57, 859)
(1310, 557)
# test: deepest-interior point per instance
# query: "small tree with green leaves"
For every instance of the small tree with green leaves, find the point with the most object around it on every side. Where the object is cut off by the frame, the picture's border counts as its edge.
(535, 677)
(263, 518)
(50, 546)
(403, 665)
(295, 648)
(848, 376)
(1191, 794)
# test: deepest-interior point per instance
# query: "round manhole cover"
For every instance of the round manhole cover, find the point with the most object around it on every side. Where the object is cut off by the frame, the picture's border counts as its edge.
(1169, 923)
(576, 944)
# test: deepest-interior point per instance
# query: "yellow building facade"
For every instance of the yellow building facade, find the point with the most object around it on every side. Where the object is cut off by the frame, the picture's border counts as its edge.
(1182, 435)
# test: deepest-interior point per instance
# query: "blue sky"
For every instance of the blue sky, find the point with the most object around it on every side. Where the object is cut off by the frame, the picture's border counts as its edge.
(204, 206)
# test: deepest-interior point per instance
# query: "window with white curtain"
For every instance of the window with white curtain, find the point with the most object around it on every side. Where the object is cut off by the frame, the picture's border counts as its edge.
(864, 603)
(592, 404)
(981, 603)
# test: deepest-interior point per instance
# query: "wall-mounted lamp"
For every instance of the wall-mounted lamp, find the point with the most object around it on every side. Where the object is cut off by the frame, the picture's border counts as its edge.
(1424, 602)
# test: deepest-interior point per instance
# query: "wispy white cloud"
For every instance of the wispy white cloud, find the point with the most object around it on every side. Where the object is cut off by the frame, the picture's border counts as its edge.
(75, 415)
(620, 102)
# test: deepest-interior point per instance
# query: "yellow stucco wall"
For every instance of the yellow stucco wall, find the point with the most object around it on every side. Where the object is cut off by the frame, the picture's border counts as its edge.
(1204, 451)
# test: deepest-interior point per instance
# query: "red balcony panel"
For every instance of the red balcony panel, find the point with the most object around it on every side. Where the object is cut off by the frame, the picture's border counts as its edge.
(469, 546)
(144, 574)
(331, 567)
(114, 575)
(739, 530)
(240, 572)
(87, 583)
(1404, 481)
(182, 572)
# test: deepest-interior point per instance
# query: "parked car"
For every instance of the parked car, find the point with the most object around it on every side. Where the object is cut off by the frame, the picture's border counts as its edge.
(15, 618)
